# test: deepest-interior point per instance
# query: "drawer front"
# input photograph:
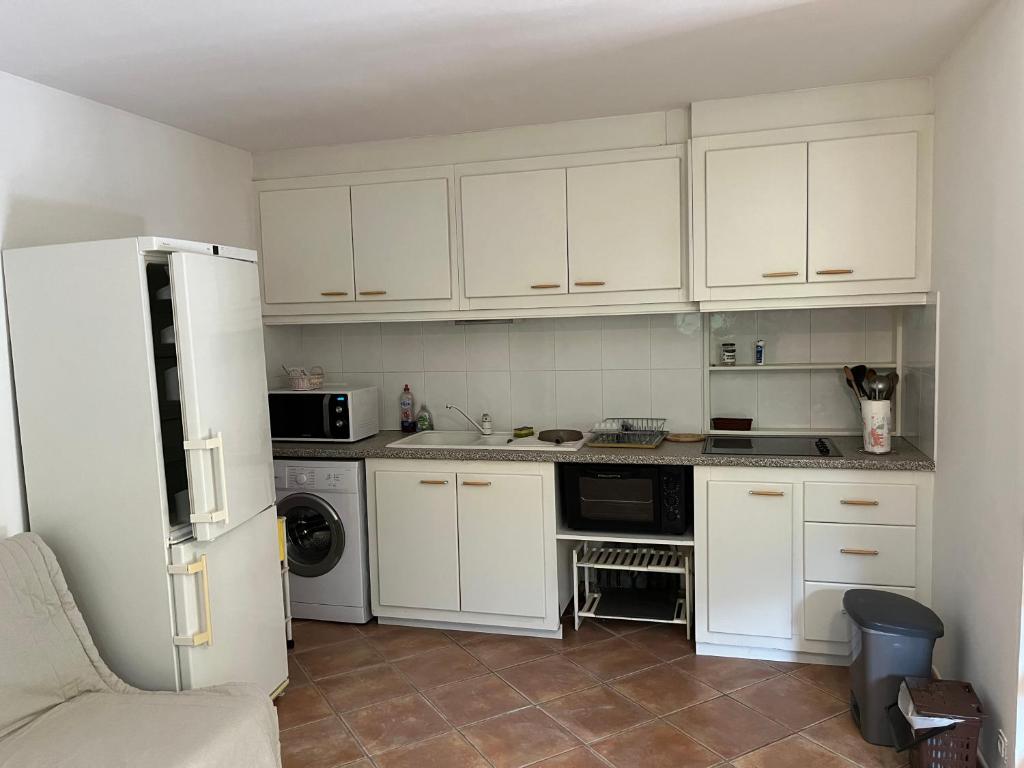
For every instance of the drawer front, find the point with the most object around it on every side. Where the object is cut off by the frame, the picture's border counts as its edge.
(860, 554)
(824, 617)
(879, 504)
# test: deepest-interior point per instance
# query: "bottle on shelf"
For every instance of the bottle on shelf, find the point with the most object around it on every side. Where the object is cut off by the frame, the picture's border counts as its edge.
(405, 410)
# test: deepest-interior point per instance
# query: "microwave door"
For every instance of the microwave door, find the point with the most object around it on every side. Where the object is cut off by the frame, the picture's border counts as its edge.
(624, 501)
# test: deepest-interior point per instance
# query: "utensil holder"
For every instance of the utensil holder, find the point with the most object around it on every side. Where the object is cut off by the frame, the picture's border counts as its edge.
(876, 419)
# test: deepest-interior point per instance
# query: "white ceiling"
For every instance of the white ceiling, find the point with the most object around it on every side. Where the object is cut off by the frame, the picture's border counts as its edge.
(267, 74)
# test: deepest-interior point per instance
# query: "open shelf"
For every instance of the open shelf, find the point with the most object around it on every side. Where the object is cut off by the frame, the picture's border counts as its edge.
(795, 367)
(566, 534)
(630, 605)
(633, 559)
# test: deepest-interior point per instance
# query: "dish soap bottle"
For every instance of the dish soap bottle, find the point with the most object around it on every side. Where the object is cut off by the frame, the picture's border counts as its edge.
(405, 406)
(424, 420)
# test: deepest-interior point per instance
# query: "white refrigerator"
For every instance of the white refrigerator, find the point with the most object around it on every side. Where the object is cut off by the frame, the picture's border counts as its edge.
(145, 438)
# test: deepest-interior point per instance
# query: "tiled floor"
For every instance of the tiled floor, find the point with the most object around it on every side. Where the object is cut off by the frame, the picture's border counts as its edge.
(617, 694)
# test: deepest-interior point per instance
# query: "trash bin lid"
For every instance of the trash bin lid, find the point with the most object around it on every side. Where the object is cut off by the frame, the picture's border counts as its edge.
(891, 613)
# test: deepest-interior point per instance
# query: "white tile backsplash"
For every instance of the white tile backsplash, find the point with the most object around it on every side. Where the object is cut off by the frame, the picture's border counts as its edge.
(832, 403)
(783, 399)
(626, 343)
(837, 335)
(627, 393)
(401, 346)
(487, 347)
(578, 344)
(533, 399)
(531, 345)
(879, 334)
(322, 343)
(441, 388)
(490, 392)
(577, 399)
(734, 393)
(361, 347)
(393, 383)
(444, 347)
(676, 341)
(676, 395)
(787, 335)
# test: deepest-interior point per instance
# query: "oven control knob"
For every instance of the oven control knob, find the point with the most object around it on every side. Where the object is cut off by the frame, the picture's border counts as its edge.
(302, 479)
(338, 409)
(339, 423)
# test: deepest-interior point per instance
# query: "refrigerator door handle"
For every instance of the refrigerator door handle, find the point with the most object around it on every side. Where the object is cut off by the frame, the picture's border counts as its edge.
(212, 444)
(204, 636)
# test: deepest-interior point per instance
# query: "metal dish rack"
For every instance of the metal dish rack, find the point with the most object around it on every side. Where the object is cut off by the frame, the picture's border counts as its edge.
(671, 607)
(622, 432)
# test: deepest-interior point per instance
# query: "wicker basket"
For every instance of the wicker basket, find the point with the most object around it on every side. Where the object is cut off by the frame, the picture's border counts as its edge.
(300, 380)
(950, 747)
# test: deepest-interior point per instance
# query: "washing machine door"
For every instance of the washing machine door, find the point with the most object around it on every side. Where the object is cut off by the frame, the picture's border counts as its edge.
(315, 534)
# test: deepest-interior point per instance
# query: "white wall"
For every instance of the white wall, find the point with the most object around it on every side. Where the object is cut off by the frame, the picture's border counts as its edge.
(979, 273)
(72, 169)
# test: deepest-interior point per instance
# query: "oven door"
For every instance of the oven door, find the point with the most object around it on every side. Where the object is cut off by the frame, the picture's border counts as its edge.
(614, 498)
(298, 416)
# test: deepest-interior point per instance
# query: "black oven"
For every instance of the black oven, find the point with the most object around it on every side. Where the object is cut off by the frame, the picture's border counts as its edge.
(626, 498)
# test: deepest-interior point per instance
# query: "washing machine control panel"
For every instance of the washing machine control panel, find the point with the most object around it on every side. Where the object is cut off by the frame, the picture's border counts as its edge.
(340, 478)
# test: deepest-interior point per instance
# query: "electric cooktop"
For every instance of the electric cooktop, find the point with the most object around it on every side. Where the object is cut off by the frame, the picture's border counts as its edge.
(771, 446)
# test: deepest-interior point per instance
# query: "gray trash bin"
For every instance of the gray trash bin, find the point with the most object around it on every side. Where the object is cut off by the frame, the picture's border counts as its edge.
(893, 638)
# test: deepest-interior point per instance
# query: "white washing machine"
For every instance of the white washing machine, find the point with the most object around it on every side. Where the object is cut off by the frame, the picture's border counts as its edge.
(324, 507)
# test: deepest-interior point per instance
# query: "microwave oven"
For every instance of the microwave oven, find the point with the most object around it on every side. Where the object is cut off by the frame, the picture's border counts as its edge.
(626, 498)
(338, 414)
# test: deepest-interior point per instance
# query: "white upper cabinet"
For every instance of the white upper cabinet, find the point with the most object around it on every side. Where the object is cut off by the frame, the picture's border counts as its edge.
(862, 196)
(756, 202)
(624, 226)
(307, 245)
(400, 237)
(514, 233)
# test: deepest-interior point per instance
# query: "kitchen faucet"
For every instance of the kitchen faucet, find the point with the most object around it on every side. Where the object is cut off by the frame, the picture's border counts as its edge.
(486, 429)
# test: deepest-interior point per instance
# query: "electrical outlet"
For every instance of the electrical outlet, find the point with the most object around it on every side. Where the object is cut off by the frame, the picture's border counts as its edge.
(1001, 747)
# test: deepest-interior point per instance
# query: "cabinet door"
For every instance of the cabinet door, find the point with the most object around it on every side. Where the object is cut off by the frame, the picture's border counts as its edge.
(514, 233)
(400, 240)
(307, 245)
(624, 221)
(862, 215)
(824, 617)
(417, 540)
(750, 558)
(756, 215)
(501, 544)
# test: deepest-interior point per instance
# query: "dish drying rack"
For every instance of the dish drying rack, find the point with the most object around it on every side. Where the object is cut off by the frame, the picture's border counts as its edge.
(621, 432)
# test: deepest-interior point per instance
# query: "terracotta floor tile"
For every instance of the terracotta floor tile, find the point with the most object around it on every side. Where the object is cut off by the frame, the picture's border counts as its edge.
(612, 658)
(841, 735)
(395, 723)
(589, 632)
(581, 757)
(656, 745)
(667, 642)
(475, 699)
(338, 658)
(500, 651)
(725, 674)
(316, 634)
(440, 666)
(300, 706)
(321, 744)
(789, 701)
(548, 678)
(403, 642)
(786, 666)
(835, 680)
(519, 738)
(620, 627)
(354, 690)
(728, 727)
(793, 752)
(595, 713)
(297, 676)
(464, 636)
(448, 751)
(663, 689)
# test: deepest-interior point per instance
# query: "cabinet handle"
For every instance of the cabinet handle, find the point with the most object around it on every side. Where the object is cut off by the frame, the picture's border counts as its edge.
(834, 272)
(589, 283)
(868, 552)
(860, 502)
(766, 493)
(372, 293)
(541, 286)
(779, 274)
(334, 293)
(480, 483)
(203, 636)
(433, 482)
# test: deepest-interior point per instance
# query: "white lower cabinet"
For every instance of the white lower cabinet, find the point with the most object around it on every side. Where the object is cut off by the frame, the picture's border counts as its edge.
(455, 542)
(776, 549)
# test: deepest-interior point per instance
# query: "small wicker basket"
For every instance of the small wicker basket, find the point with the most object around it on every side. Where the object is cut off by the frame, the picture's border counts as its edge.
(300, 380)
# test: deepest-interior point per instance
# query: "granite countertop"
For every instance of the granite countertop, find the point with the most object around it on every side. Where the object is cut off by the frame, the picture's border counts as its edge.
(904, 456)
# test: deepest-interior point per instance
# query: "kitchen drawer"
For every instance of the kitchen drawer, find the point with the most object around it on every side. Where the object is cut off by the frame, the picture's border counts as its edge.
(824, 617)
(860, 554)
(879, 504)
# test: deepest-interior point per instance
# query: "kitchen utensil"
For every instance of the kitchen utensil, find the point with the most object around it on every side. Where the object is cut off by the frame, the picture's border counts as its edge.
(684, 437)
(851, 382)
(878, 388)
(859, 372)
(559, 436)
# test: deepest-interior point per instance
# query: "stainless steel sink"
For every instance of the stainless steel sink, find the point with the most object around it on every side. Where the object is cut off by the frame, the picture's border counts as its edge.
(429, 441)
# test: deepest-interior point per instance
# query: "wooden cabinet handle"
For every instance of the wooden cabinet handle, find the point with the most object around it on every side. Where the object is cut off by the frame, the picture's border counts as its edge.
(372, 293)
(334, 293)
(480, 483)
(541, 286)
(834, 272)
(589, 283)
(868, 552)
(433, 482)
(766, 493)
(779, 274)
(860, 502)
